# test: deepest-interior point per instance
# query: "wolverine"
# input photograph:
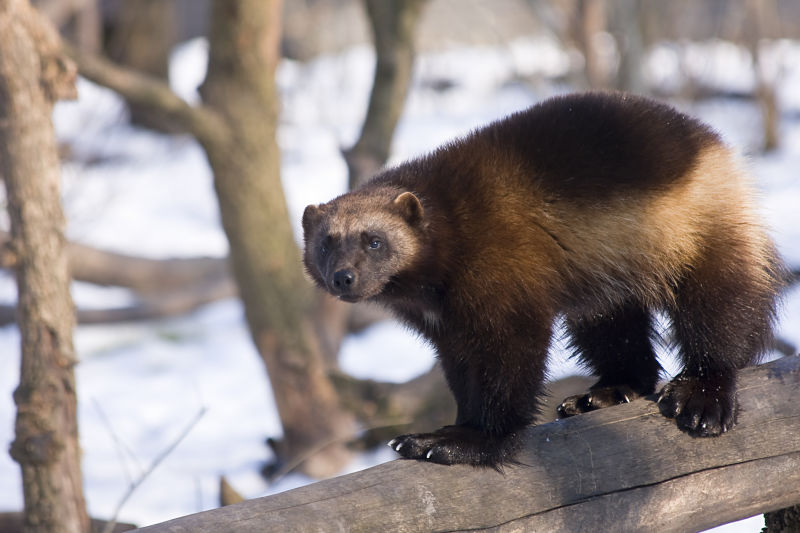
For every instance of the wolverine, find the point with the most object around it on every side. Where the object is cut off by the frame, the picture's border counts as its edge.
(599, 209)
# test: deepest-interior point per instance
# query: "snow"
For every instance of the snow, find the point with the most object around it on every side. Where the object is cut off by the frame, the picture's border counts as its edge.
(129, 190)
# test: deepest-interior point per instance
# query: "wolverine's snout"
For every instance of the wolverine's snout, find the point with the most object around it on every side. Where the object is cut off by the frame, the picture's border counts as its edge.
(343, 284)
(343, 280)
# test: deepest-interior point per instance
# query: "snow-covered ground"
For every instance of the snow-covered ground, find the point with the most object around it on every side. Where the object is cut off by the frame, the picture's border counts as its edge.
(141, 384)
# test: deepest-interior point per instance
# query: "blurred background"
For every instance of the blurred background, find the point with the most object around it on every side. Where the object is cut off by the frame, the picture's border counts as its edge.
(183, 249)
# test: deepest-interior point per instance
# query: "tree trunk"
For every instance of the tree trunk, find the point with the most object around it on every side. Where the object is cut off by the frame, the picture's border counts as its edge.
(627, 26)
(32, 76)
(264, 256)
(589, 19)
(393, 23)
(142, 36)
(761, 19)
(235, 123)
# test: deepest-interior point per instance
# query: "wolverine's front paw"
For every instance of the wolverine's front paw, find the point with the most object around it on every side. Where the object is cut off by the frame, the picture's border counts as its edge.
(596, 399)
(702, 408)
(426, 446)
(456, 445)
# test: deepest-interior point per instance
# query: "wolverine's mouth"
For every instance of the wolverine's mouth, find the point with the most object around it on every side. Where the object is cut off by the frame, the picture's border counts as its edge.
(352, 298)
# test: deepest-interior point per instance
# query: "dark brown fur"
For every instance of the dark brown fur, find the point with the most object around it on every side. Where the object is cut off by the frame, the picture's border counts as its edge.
(600, 208)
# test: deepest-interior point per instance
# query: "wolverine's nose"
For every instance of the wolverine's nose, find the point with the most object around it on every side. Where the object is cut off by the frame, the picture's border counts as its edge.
(343, 280)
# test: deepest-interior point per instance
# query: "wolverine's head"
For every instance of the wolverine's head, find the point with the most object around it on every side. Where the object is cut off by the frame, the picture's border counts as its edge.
(356, 243)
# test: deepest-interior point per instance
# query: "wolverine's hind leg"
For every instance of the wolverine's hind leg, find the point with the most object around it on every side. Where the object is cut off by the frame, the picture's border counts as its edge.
(617, 347)
(722, 320)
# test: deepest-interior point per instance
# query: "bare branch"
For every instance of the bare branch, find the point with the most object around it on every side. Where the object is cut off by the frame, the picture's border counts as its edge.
(165, 287)
(168, 304)
(144, 275)
(150, 92)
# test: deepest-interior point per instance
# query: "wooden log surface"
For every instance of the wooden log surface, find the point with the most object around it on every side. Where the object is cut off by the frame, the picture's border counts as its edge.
(625, 468)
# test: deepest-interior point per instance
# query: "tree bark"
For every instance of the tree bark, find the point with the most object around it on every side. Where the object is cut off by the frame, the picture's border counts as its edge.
(625, 468)
(32, 76)
(393, 24)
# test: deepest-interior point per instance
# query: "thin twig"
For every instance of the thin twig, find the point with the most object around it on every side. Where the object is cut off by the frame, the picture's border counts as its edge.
(122, 448)
(158, 459)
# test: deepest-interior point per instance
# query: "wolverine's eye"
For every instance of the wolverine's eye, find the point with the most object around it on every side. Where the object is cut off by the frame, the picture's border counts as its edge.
(373, 241)
(323, 250)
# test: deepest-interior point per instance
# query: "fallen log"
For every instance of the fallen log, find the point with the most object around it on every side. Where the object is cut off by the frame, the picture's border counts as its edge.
(625, 468)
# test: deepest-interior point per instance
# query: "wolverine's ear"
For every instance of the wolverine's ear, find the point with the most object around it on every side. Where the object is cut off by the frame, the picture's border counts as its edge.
(311, 217)
(410, 207)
